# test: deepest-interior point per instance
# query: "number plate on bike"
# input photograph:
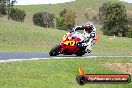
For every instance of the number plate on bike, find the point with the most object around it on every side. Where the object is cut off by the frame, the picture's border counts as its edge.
(70, 43)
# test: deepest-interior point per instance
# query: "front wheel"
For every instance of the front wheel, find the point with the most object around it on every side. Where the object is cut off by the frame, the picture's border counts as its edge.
(54, 50)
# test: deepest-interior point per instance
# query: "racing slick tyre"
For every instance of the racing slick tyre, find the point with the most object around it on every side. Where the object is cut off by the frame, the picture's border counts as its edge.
(54, 50)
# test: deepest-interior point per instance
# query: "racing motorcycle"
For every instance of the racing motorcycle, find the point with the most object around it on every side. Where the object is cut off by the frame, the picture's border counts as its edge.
(68, 46)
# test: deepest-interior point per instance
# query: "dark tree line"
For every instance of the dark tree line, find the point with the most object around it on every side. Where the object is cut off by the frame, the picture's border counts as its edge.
(17, 15)
(7, 8)
(114, 18)
(65, 21)
(111, 14)
(44, 19)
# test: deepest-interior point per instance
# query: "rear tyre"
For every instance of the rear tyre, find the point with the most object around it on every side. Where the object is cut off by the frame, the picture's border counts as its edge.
(54, 50)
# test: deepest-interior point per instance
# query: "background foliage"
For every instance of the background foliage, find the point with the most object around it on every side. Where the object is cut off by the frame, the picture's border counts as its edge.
(44, 19)
(7, 8)
(66, 19)
(17, 15)
(114, 18)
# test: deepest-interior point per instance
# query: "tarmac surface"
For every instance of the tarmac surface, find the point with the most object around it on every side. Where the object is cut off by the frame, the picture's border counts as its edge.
(16, 56)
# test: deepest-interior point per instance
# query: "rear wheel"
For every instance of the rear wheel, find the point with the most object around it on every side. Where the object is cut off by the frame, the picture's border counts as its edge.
(54, 50)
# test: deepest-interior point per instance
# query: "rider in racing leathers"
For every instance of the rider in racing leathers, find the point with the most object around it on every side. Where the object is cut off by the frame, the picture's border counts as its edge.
(88, 37)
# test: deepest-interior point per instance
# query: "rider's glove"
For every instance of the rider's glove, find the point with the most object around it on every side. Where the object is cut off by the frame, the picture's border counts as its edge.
(71, 30)
(81, 44)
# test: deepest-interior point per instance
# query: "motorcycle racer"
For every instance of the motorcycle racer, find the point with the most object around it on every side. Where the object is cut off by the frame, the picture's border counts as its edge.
(76, 42)
(88, 37)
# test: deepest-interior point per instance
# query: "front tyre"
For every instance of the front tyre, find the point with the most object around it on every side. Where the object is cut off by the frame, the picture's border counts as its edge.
(54, 50)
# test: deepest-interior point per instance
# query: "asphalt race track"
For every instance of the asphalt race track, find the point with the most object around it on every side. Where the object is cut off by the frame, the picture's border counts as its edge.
(15, 56)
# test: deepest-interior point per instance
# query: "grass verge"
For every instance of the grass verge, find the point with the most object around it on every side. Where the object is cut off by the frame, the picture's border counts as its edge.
(55, 73)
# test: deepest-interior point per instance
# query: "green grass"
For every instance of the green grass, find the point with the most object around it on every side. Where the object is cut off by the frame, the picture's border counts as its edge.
(117, 45)
(17, 37)
(79, 6)
(25, 37)
(75, 5)
(55, 8)
(59, 73)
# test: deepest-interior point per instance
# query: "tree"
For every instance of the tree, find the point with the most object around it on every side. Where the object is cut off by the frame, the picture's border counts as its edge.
(129, 34)
(43, 19)
(10, 5)
(70, 19)
(114, 18)
(2, 9)
(60, 23)
(6, 6)
(17, 15)
(66, 19)
(63, 12)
